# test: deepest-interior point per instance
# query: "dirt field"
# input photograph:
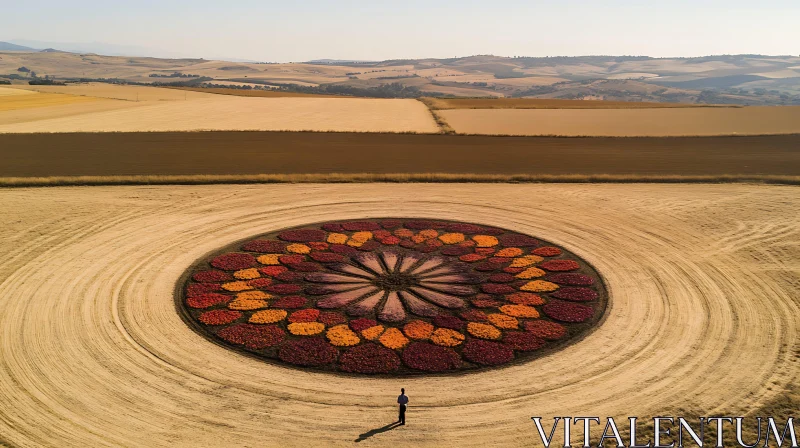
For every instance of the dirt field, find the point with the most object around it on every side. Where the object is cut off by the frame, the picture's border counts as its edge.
(627, 122)
(223, 112)
(247, 153)
(702, 278)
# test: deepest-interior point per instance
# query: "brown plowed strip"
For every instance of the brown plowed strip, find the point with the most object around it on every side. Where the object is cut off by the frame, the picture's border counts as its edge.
(247, 153)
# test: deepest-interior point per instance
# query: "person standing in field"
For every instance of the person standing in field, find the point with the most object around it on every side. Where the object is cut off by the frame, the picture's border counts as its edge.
(402, 400)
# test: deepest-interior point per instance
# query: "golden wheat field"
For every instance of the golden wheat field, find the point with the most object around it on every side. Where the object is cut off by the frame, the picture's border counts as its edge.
(701, 316)
(658, 122)
(142, 109)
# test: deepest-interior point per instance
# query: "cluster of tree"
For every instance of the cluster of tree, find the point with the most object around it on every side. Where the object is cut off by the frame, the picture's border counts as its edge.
(45, 82)
(24, 69)
(392, 90)
(399, 77)
(190, 83)
(173, 75)
(5, 82)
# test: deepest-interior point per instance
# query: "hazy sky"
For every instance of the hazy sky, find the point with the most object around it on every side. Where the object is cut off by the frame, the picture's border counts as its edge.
(380, 29)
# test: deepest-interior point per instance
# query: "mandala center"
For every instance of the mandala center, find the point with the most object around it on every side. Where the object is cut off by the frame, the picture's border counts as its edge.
(395, 281)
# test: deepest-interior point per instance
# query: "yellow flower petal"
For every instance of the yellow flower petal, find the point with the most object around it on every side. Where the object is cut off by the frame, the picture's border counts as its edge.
(530, 273)
(372, 333)
(268, 316)
(236, 286)
(393, 338)
(269, 259)
(452, 238)
(527, 260)
(485, 240)
(483, 331)
(298, 248)
(247, 274)
(306, 328)
(539, 286)
(503, 321)
(337, 238)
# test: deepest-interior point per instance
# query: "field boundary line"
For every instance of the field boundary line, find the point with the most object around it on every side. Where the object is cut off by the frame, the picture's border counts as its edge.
(57, 181)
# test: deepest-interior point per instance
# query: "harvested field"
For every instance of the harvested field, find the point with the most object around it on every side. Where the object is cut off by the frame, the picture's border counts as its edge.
(281, 153)
(702, 282)
(14, 100)
(120, 92)
(534, 103)
(223, 112)
(662, 122)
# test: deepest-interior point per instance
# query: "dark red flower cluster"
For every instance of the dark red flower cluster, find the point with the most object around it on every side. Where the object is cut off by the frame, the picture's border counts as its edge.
(273, 271)
(391, 223)
(501, 278)
(547, 251)
(307, 266)
(207, 300)
(517, 240)
(331, 318)
(481, 302)
(290, 302)
(361, 324)
(254, 337)
(496, 288)
(260, 282)
(474, 316)
(303, 235)
(289, 276)
(472, 229)
(360, 226)
(560, 265)
(523, 341)
(430, 358)
(568, 311)
(306, 315)
(196, 289)
(456, 251)
(448, 321)
(291, 259)
(487, 353)
(264, 246)
(369, 358)
(576, 294)
(219, 317)
(421, 224)
(326, 257)
(545, 329)
(212, 276)
(234, 261)
(342, 249)
(284, 288)
(571, 279)
(314, 351)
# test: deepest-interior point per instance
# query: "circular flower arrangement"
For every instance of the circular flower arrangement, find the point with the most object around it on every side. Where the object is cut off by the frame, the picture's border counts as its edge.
(393, 296)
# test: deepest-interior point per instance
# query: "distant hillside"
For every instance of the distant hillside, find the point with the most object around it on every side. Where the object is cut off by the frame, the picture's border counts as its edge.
(6, 46)
(723, 79)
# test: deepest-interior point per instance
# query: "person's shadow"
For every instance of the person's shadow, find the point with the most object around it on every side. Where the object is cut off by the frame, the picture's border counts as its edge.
(372, 432)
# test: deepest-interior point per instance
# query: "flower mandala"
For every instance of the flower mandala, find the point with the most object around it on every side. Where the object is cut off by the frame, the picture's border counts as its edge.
(393, 296)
